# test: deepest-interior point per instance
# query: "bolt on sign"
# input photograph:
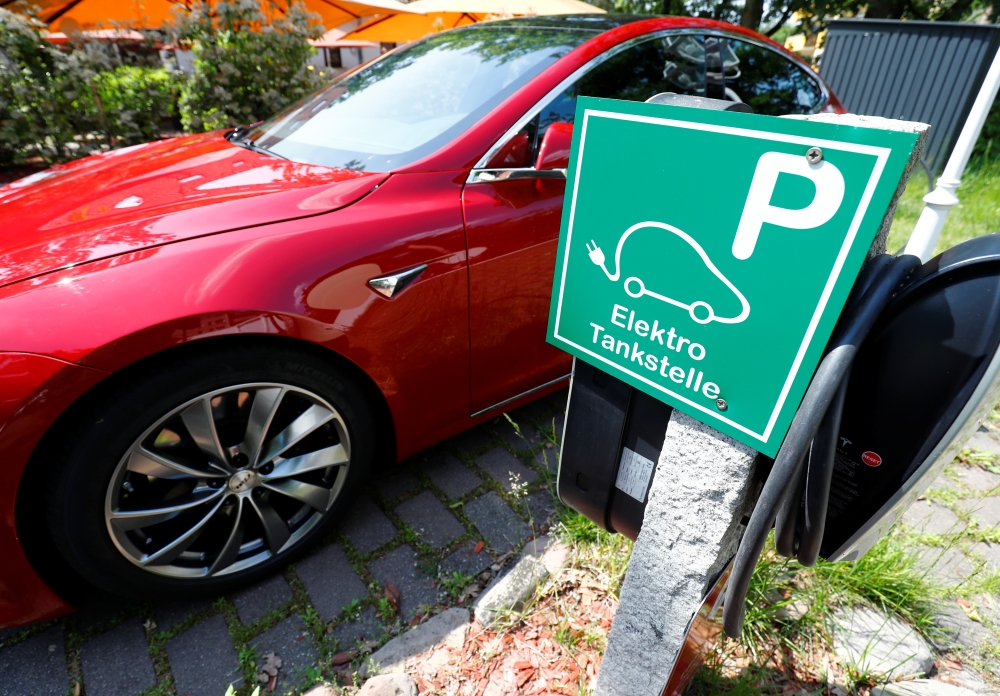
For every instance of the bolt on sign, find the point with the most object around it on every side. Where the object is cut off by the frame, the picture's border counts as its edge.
(705, 256)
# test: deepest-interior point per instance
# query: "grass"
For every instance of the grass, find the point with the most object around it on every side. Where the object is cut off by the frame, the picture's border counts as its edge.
(977, 214)
(785, 635)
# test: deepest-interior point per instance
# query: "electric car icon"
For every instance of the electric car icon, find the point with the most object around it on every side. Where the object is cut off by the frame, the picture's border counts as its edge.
(699, 310)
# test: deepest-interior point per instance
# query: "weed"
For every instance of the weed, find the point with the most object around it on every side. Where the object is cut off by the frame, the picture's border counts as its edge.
(248, 657)
(517, 428)
(313, 675)
(455, 583)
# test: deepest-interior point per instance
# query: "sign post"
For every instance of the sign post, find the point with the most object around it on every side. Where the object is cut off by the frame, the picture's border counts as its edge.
(704, 259)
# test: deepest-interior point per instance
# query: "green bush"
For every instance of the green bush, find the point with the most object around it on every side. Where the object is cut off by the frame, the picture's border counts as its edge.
(135, 101)
(58, 104)
(43, 102)
(249, 61)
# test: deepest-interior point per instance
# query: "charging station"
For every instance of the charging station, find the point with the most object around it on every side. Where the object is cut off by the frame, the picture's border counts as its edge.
(792, 366)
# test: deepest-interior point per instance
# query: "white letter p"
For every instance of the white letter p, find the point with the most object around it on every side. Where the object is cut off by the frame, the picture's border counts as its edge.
(758, 209)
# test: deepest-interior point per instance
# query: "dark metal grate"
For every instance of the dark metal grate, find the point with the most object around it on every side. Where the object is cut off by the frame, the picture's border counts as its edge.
(915, 71)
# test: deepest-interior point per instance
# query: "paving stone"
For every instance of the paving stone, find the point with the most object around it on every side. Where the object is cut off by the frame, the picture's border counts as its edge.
(944, 482)
(395, 482)
(560, 424)
(256, 602)
(548, 458)
(169, 614)
(957, 629)
(985, 511)
(983, 442)
(99, 612)
(946, 566)
(878, 643)
(203, 660)
(500, 527)
(389, 685)
(537, 410)
(979, 480)
(509, 591)
(330, 581)
(559, 398)
(430, 519)
(290, 641)
(367, 526)
(990, 553)
(9, 634)
(450, 475)
(528, 438)
(450, 628)
(502, 466)
(466, 561)
(921, 687)
(541, 506)
(36, 666)
(399, 568)
(471, 441)
(366, 626)
(116, 663)
(932, 518)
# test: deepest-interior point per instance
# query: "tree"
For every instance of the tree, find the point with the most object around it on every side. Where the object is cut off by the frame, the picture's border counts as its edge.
(812, 14)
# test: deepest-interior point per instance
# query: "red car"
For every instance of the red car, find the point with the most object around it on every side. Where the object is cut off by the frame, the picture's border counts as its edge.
(207, 343)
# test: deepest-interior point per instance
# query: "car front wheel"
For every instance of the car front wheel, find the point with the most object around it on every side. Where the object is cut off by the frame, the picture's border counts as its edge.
(197, 475)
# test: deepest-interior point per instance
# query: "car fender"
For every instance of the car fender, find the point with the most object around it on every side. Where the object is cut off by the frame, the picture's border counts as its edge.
(303, 279)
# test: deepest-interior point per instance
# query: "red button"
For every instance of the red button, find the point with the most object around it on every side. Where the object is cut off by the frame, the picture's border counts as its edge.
(871, 459)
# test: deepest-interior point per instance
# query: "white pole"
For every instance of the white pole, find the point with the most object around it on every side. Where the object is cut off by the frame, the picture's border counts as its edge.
(940, 201)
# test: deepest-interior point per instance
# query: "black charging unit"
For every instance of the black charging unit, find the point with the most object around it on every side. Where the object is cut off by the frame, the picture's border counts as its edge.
(911, 370)
(922, 374)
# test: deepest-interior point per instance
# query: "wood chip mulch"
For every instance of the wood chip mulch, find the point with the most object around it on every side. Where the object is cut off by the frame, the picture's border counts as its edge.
(554, 648)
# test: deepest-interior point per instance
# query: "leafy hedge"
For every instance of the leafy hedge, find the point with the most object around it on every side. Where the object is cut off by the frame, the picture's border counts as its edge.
(249, 61)
(59, 103)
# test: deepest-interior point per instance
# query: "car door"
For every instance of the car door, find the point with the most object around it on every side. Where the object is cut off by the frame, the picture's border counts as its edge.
(513, 210)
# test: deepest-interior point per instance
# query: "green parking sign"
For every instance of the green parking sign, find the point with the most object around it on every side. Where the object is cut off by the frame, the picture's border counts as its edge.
(705, 256)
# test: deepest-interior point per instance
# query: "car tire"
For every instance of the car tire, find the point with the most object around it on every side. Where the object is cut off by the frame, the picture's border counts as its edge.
(199, 473)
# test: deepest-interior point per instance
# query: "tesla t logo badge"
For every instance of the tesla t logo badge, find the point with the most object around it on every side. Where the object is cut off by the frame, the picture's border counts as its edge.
(242, 481)
(704, 258)
(871, 459)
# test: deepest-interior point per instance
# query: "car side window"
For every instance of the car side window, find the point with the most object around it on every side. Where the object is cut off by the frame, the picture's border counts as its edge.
(664, 64)
(768, 81)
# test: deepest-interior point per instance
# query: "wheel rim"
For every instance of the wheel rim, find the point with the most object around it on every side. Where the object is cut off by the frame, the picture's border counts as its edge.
(227, 480)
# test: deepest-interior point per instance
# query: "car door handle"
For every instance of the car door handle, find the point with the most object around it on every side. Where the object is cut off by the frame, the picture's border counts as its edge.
(489, 176)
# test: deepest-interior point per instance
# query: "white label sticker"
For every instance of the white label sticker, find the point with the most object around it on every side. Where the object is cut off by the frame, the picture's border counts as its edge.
(633, 474)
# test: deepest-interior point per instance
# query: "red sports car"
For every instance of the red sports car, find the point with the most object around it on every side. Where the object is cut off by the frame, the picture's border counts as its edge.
(207, 343)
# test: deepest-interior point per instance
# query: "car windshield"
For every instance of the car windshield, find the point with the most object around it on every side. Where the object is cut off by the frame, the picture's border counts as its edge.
(412, 102)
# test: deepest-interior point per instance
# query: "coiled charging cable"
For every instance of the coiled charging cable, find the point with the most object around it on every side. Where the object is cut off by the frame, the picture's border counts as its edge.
(804, 465)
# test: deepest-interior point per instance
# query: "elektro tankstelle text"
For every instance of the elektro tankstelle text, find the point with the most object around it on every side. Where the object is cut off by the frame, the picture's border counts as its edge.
(668, 338)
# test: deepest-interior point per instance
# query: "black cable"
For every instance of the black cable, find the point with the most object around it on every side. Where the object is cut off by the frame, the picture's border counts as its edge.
(787, 525)
(785, 537)
(825, 384)
(822, 457)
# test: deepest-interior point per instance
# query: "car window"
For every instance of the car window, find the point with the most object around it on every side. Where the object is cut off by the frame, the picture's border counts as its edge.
(411, 103)
(664, 64)
(768, 81)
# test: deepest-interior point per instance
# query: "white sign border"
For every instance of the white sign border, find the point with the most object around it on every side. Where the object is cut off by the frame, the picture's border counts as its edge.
(880, 153)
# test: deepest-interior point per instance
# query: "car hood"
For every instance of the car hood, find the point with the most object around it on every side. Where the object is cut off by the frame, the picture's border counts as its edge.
(151, 194)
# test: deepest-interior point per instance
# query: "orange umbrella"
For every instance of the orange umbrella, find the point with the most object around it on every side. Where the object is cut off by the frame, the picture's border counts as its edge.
(410, 27)
(74, 15)
(438, 15)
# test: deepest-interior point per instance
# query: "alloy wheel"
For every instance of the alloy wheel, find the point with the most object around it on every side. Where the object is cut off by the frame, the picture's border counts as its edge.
(227, 480)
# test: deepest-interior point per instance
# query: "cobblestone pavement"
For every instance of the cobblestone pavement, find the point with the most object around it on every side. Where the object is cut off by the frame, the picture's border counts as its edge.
(955, 530)
(415, 527)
